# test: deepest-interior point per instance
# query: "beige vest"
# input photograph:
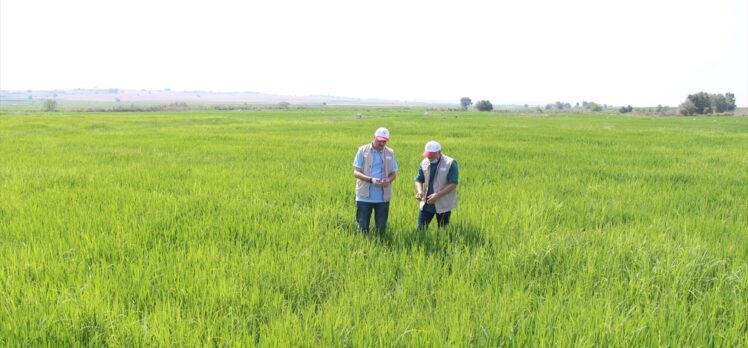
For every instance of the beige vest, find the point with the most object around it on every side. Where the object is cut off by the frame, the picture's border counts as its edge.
(362, 187)
(448, 202)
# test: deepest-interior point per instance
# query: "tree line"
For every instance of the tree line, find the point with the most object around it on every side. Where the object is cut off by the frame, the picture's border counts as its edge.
(704, 103)
(695, 104)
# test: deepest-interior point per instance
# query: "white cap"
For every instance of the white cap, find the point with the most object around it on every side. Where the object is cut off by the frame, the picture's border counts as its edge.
(431, 148)
(382, 134)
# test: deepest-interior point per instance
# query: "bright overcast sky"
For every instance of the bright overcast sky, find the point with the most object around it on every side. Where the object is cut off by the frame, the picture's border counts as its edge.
(638, 52)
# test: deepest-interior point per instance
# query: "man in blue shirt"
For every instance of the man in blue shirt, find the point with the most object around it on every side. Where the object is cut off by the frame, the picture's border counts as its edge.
(436, 186)
(375, 168)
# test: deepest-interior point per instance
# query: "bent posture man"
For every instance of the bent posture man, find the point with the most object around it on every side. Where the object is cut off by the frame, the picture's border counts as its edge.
(436, 186)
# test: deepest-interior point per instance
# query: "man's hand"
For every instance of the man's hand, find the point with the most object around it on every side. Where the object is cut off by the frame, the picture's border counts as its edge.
(419, 196)
(432, 198)
(385, 182)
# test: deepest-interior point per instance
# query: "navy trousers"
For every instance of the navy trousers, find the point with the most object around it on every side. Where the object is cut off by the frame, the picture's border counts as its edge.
(425, 217)
(363, 215)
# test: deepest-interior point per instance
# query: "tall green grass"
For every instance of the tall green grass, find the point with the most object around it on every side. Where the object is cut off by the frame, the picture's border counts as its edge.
(237, 228)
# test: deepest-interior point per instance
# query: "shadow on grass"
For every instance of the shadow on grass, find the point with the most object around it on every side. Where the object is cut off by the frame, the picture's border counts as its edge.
(433, 240)
(440, 241)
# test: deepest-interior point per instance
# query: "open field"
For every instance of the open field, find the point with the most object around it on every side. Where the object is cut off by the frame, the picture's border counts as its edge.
(237, 228)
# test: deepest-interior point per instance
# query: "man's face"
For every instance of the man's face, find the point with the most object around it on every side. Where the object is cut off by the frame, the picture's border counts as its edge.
(433, 156)
(379, 144)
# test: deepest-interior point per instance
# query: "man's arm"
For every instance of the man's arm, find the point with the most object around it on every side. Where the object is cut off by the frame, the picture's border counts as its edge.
(447, 189)
(358, 171)
(420, 178)
(393, 173)
(419, 190)
(359, 174)
(435, 196)
(391, 177)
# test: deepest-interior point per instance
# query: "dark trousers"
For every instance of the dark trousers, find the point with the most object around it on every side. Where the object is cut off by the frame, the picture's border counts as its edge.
(363, 215)
(425, 217)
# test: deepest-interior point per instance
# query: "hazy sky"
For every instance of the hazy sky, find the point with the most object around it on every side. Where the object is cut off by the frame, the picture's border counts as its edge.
(638, 52)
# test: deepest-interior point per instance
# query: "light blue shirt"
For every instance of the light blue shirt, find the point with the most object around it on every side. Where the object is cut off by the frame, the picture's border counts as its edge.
(376, 193)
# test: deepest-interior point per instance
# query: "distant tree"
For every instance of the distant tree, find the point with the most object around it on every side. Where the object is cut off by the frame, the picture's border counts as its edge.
(284, 105)
(687, 108)
(730, 100)
(465, 102)
(484, 105)
(116, 100)
(50, 105)
(561, 105)
(625, 109)
(594, 106)
(701, 102)
(705, 103)
(718, 103)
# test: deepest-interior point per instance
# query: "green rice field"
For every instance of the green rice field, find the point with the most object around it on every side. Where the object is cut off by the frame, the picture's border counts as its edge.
(237, 228)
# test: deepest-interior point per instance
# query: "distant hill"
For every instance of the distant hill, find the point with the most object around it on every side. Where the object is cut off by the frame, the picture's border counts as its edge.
(109, 95)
